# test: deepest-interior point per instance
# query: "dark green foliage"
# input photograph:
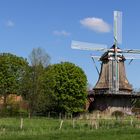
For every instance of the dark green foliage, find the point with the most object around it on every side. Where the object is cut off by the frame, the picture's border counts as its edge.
(13, 110)
(137, 103)
(12, 71)
(136, 106)
(65, 85)
(32, 89)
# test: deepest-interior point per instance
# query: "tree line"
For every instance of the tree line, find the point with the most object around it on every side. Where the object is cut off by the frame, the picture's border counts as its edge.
(46, 87)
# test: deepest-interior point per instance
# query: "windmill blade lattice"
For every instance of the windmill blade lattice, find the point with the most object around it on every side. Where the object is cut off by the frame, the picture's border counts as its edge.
(134, 51)
(131, 56)
(88, 46)
(118, 26)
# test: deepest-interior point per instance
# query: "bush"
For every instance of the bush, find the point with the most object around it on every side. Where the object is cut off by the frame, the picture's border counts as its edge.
(117, 114)
(11, 110)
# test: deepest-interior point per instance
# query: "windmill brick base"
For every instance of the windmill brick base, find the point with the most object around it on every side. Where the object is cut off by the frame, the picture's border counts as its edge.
(108, 103)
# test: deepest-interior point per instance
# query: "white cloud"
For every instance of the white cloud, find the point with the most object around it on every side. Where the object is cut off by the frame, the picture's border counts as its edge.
(96, 24)
(61, 33)
(10, 23)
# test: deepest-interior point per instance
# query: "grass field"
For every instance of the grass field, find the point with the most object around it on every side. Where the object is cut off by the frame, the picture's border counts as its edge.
(49, 129)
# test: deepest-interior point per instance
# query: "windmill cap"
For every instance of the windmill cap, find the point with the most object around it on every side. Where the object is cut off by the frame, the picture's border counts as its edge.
(110, 54)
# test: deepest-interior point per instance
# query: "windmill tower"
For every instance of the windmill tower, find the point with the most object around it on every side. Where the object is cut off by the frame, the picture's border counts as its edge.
(112, 89)
(112, 77)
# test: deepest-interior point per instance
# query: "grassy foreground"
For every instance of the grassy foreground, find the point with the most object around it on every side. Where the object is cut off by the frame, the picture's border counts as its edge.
(49, 129)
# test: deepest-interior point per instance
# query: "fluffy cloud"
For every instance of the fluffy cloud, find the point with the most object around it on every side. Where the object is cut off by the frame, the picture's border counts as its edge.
(10, 23)
(96, 24)
(61, 33)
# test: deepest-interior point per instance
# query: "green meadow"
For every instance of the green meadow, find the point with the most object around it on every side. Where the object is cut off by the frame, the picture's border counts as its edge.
(55, 129)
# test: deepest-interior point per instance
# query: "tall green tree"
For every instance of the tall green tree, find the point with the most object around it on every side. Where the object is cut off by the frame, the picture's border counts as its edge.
(65, 85)
(12, 71)
(32, 88)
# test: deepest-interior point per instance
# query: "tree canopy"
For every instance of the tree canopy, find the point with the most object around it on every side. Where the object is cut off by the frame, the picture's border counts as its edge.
(46, 88)
(12, 70)
(66, 87)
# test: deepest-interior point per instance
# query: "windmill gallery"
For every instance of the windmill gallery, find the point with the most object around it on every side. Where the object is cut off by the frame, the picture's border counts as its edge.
(112, 91)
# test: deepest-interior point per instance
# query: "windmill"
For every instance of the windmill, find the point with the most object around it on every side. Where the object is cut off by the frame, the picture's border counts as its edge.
(114, 56)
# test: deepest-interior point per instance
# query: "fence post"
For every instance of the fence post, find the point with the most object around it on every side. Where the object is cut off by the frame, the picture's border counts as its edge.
(29, 115)
(61, 123)
(131, 121)
(73, 123)
(21, 123)
(96, 123)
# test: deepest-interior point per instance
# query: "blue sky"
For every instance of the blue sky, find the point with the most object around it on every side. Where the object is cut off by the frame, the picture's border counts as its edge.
(53, 24)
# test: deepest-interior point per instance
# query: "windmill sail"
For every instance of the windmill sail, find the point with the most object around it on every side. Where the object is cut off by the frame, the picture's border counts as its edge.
(134, 51)
(88, 46)
(114, 73)
(118, 26)
(131, 56)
